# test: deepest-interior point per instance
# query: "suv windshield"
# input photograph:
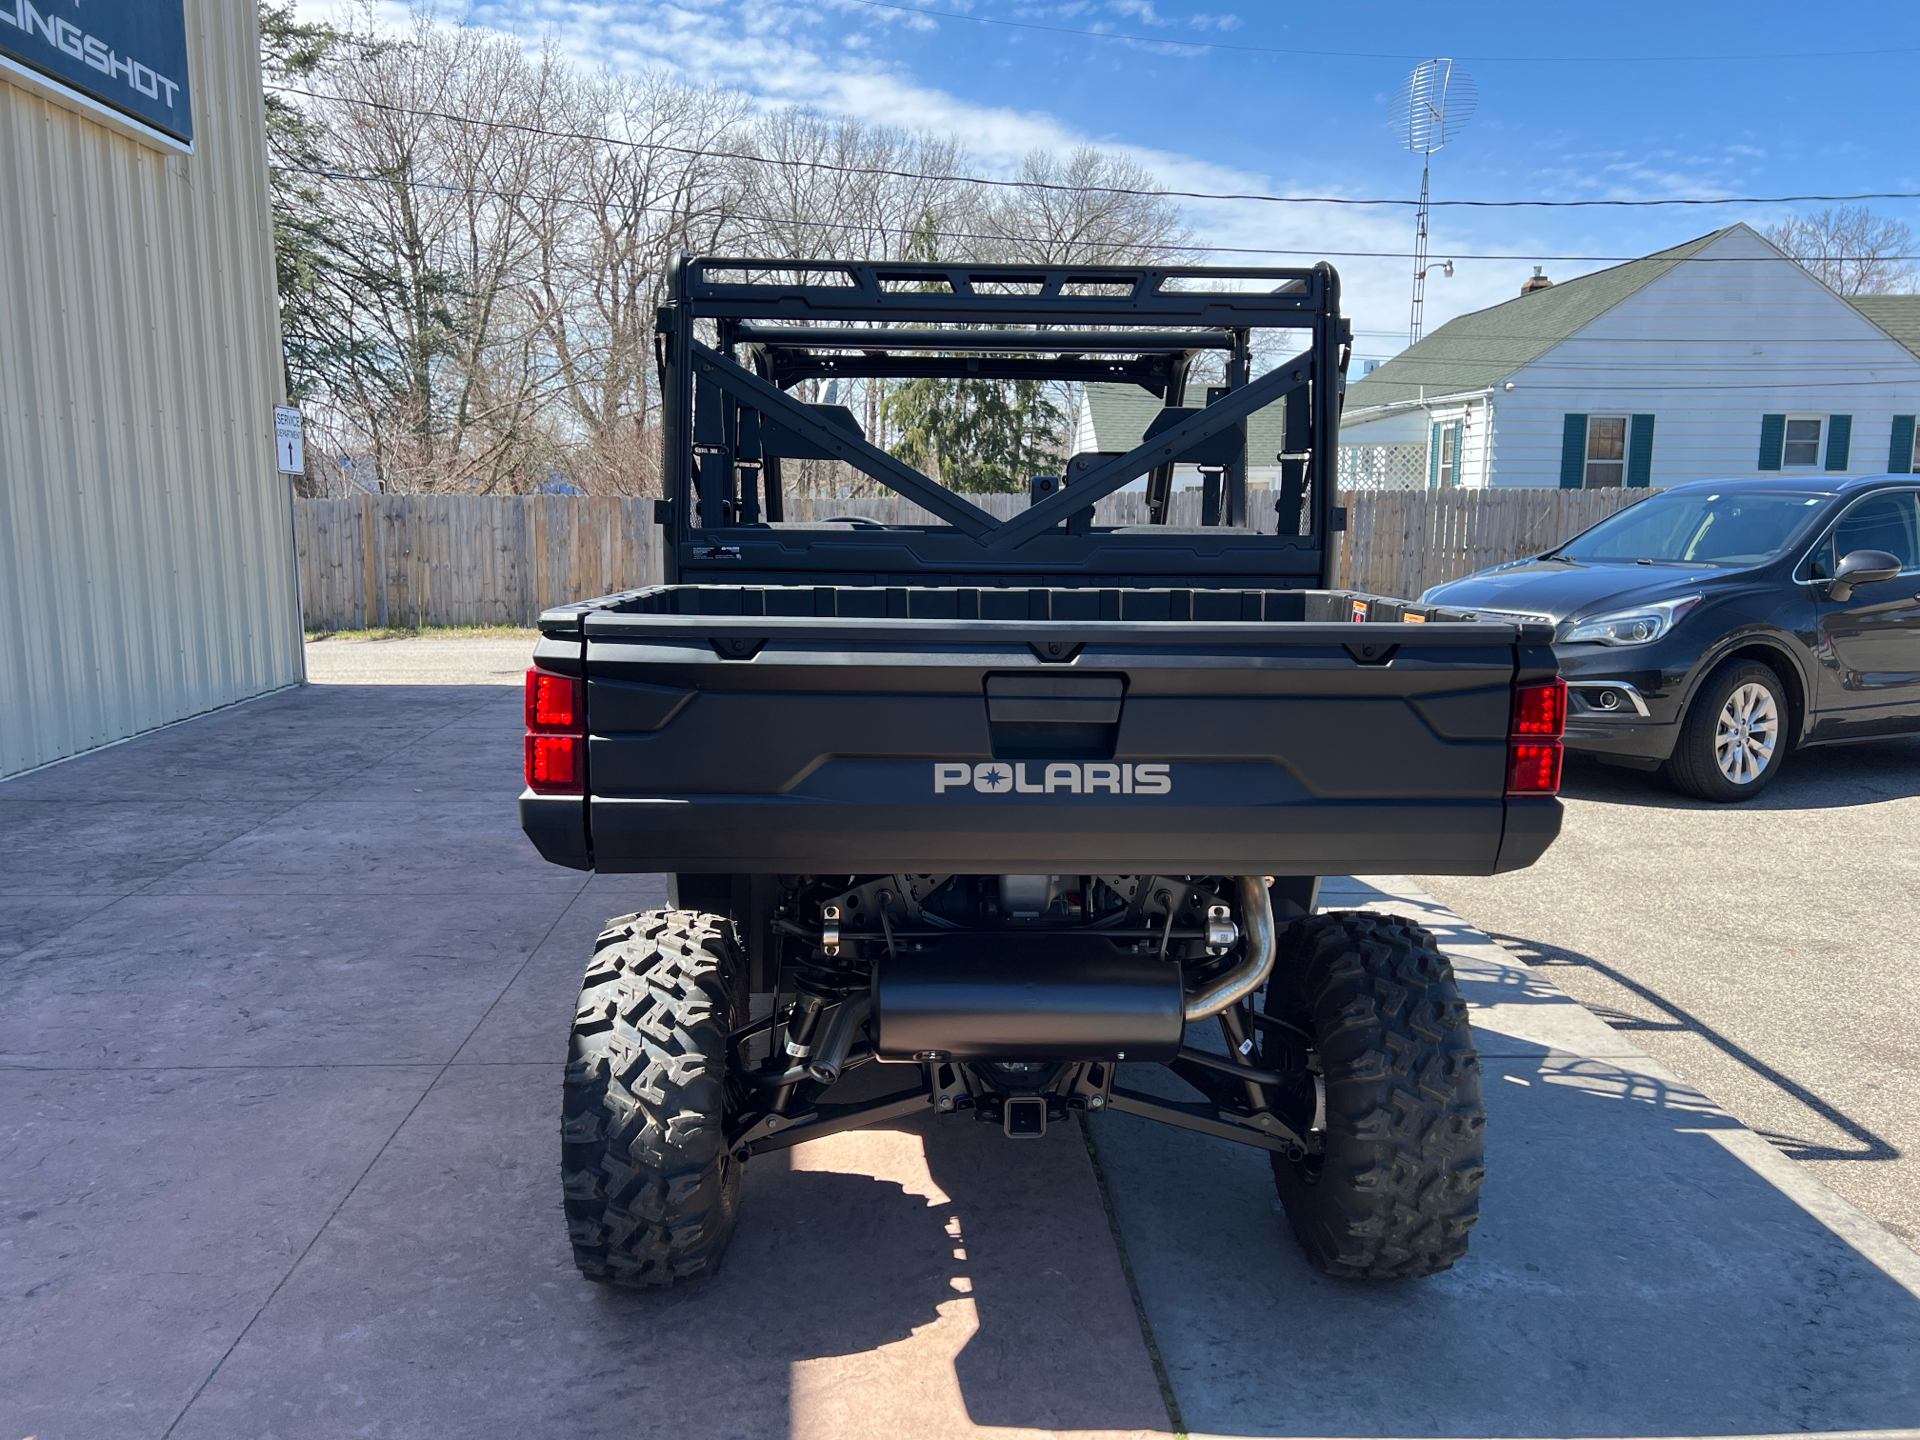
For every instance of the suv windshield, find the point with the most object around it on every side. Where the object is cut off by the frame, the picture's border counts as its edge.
(1699, 527)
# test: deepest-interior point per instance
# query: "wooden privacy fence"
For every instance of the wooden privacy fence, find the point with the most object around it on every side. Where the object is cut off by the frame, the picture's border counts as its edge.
(1399, 542)
(412, 560)
(407, 560)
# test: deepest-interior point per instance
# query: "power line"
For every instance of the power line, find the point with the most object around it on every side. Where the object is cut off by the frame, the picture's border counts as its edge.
(1373, 54)
(934, 177)
(1681, 365)
(1776, 386)
(723, 214)
(446, 187)
(1708, 362)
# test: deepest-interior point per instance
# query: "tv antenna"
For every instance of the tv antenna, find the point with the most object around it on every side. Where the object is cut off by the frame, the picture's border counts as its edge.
(1431, 107)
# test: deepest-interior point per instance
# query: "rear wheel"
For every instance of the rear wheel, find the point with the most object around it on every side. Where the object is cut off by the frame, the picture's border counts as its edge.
(1397, 1186)
(1734, 737)
(651, 1189)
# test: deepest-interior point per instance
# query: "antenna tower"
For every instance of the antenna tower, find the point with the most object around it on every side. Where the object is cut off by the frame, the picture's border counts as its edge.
(1432, 106)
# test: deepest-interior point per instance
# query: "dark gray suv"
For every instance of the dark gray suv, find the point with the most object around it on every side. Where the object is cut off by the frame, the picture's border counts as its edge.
(1717, 625)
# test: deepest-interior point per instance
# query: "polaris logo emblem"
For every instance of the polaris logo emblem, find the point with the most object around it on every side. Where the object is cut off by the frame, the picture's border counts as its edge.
(1055, 777)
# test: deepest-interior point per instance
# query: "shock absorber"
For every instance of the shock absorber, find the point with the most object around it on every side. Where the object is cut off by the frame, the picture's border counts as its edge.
(826, 978)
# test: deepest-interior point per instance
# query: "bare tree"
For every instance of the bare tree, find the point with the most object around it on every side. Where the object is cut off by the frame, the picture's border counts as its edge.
(834, 188)
(486, 235)
(607, 219)
(428, 143)
(1852, 249)
(1091, 208)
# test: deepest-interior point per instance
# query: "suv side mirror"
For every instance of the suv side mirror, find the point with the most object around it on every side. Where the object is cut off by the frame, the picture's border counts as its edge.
(1861, 567)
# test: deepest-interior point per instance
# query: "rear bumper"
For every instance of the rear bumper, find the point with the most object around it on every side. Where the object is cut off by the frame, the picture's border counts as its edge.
(1533, 823)
(557, 826)
(783, 835)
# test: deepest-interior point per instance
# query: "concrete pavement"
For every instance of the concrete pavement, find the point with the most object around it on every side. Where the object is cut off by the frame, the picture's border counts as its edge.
(1643, 1265)
(282, 1004)
(280, 1041)
(1767, 951)
(454, 657)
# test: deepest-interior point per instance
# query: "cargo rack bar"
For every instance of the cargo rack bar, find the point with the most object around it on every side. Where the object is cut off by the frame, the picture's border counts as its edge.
(737, 334)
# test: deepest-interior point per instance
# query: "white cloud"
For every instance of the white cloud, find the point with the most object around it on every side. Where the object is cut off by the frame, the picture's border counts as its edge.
(786, 54)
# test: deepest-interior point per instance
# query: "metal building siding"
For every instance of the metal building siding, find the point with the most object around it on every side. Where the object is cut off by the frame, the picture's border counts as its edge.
(146, 561)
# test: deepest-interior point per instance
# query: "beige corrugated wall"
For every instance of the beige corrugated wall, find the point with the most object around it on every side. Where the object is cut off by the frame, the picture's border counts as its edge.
(146, 564)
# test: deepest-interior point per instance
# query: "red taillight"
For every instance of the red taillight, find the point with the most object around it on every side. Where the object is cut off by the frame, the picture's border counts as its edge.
(1533, 738)
(1533, 768)
(553, 762)
(1540, 710)
(553, 702)
(556, 733)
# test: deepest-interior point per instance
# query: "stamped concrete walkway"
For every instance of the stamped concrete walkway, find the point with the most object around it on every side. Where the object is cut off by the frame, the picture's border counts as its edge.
(282, 1003)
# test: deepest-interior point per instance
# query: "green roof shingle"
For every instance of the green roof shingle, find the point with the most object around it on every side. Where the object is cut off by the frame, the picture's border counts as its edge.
(1122, 412)
(1478, 350)
(1898, 315)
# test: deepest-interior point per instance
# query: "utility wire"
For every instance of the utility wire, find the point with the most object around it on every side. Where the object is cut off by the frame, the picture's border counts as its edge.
(1060, 187)
(1374, 54)
(721, 213)
(585, 202)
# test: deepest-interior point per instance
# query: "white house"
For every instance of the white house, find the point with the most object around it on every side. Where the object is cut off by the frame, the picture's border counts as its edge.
(1112, 418)
(1717, 357)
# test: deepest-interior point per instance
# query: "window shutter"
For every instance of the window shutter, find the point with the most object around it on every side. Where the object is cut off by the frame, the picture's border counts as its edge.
(1573, 451)
(1839, 437)
(1459, 435)
(1433, 457)
(1773, 436)
(1640, 453)
(1900, 447)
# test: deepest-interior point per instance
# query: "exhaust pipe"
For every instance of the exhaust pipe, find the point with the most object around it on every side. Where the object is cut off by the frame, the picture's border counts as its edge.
(847, 1019)
(1256, 913)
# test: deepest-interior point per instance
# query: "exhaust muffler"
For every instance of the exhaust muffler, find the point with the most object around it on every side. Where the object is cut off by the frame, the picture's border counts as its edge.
(1055, 996)
(1027, 997)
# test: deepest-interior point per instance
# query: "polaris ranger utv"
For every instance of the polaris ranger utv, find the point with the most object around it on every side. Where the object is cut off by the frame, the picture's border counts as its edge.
(1000, 807)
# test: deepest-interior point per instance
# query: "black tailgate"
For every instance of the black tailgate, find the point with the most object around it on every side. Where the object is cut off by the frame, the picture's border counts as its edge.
(827, 744)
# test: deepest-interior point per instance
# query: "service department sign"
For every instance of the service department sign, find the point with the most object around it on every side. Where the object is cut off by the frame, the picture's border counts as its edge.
(129, 54)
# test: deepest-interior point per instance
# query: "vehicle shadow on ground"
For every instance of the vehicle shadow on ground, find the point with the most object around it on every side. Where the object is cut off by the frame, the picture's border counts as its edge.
(917, 1280)
(1630, 1275)
(1029, 1322)
(1670, 1018)
(1824, 777)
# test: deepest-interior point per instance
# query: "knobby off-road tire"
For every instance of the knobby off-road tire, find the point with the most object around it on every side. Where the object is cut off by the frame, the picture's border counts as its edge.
(1398, 1186)
(1740, 692)
(651, 1189)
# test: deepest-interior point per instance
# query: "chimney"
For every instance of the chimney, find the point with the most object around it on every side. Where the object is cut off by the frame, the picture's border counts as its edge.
(1538, 282)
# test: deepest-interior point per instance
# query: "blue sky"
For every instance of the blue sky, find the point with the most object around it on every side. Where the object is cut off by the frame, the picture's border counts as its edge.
(1316, 124)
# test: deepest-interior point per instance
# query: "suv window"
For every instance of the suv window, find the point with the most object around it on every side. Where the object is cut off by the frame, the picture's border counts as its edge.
(1889, 522)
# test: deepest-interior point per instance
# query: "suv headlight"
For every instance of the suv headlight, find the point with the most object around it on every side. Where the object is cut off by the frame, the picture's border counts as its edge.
(1641, 625)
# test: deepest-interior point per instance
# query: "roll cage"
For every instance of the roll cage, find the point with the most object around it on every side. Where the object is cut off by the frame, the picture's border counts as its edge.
(738, 334)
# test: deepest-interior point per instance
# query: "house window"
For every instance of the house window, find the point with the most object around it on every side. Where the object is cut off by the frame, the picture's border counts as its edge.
(1606, 452)
(1443, 454)
(1801, 449)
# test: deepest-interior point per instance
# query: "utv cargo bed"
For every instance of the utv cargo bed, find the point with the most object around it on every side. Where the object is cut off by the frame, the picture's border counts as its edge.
(831, 729)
